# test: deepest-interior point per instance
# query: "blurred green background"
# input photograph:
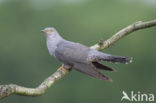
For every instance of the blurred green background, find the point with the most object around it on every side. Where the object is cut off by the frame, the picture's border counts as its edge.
(24, 58)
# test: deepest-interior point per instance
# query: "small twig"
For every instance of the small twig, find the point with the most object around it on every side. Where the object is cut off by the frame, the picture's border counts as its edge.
(7, 90)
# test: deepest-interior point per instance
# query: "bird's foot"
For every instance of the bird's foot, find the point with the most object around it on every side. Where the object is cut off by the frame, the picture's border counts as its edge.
(62, 68)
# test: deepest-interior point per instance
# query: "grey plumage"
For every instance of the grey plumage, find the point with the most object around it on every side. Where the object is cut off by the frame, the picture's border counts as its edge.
(78, 56)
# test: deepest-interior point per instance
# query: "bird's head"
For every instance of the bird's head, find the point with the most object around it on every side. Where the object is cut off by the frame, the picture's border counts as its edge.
(49, 31)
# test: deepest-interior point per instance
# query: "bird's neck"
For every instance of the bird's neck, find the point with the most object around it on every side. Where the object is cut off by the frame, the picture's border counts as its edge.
(52, 41)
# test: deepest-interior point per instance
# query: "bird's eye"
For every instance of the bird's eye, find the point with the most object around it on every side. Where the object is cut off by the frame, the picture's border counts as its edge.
(50, 30)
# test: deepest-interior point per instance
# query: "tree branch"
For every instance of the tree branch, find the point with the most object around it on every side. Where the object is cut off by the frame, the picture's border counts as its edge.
(7, 90)
(122, 33)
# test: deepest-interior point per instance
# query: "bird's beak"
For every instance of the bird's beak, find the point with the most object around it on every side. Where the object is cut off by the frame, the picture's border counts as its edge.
(43, 31)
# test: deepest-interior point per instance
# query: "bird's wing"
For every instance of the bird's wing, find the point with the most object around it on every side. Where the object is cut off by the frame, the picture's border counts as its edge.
(70, 52)
(76, 55)
(90, 70)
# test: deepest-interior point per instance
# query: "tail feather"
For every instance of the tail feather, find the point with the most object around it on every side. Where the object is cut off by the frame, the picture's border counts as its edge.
(114, 58)
(102, 67)
(97, 56)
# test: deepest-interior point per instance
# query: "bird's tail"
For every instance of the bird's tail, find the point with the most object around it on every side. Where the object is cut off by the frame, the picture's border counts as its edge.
(114, 58)
(102, 67)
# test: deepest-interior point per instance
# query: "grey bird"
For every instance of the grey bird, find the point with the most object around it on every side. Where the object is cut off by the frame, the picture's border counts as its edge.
(80, 57)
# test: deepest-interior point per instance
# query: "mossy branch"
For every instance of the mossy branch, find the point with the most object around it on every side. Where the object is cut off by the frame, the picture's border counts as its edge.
(7, 90)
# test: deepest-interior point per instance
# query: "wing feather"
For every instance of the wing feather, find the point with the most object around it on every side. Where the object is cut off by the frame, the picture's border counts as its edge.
(70, 52)
(90, 70)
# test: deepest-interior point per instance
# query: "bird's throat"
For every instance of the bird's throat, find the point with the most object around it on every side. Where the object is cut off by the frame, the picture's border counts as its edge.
(52, 43)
